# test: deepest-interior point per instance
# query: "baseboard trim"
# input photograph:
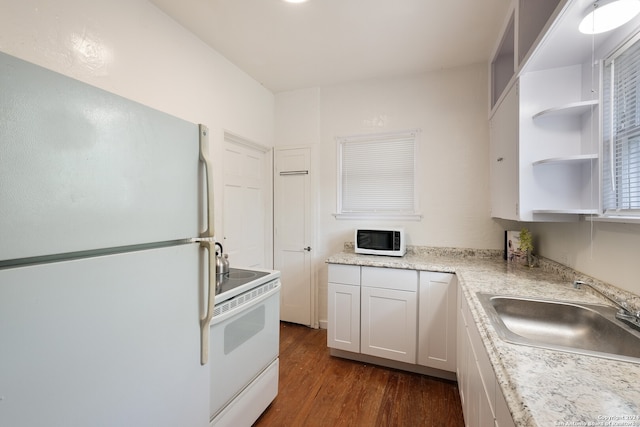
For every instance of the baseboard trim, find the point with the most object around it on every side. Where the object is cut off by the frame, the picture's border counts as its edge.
(418, 369)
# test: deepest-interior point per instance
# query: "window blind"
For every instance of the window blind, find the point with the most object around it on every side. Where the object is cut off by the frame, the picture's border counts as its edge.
(378, 174)
(621, 132)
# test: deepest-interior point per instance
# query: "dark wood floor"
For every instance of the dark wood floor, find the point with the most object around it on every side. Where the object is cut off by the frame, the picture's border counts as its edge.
(317, 389)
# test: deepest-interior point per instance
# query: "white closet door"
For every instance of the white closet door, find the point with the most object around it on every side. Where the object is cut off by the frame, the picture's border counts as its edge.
(293, 233)
(245, 204)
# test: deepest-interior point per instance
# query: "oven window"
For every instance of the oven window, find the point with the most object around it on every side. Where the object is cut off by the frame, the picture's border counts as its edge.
(243, 328)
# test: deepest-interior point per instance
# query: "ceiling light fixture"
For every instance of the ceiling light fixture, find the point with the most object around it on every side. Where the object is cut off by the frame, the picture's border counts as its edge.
(605, 15)
(295, 1)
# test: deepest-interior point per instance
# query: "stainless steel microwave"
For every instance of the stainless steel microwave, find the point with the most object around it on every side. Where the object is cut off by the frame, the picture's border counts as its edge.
(380, 241)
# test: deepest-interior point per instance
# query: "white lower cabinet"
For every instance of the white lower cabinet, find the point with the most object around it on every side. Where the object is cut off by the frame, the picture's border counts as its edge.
(503, 416)
(399, 315)
(344, 315)
(483, 403)
(421, 319)
(343, 322)
(389, 301)
(437, 320)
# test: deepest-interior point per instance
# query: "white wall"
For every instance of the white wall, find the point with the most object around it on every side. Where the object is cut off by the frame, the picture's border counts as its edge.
(450, 106)
(131, 48)
(607, 251)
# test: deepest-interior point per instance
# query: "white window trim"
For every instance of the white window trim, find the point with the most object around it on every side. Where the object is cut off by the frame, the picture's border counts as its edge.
(629, 216)
(396, 216)
(613, 218)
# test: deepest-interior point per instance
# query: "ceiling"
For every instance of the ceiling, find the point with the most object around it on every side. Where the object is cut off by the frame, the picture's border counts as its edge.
(327, 42)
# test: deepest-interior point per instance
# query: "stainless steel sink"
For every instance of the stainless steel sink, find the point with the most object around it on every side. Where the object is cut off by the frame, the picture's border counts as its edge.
(558, 325)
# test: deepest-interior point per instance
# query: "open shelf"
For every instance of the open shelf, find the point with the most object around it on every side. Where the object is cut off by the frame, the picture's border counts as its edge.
(568, 159)
(503, 62)
(572, 109)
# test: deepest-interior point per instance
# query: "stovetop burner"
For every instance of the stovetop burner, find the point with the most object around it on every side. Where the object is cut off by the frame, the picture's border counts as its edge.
(236, 277)
(237, 274)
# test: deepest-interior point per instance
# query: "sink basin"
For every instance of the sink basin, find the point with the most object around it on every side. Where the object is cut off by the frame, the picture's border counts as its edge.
(559, 325)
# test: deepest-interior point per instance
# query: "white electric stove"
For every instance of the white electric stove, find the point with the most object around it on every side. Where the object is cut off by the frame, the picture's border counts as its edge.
(244, 346)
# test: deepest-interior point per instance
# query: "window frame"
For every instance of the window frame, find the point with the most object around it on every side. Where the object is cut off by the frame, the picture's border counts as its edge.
(617, 212)
(405, 215)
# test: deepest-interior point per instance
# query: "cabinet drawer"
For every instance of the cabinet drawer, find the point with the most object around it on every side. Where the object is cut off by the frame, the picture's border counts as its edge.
(437, 277)
(345, 274)
(390, 278)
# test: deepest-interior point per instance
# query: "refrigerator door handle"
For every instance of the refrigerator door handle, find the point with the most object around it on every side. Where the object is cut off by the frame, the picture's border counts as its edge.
(207, 242)
(206, 320)
(204, 158)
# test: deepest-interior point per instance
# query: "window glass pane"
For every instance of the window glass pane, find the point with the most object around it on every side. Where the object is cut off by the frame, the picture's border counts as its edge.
(621, 132)
(378, 174)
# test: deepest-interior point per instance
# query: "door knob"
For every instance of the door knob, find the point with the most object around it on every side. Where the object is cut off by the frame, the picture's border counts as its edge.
(308, 249)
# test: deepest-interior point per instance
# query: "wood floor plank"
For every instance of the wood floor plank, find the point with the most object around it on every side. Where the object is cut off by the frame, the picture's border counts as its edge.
(319, 390)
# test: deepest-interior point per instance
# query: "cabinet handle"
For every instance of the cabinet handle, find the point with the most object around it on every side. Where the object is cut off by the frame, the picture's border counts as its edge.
(499, 159)
(308, 249)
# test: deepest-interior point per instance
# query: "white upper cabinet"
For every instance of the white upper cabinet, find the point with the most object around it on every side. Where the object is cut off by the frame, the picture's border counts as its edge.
(558, 153)
(523, 26)
(503, 152)
(545, 125)
(503, 63)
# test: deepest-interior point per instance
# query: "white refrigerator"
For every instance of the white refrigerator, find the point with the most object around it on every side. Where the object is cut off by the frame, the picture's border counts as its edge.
(104, 278)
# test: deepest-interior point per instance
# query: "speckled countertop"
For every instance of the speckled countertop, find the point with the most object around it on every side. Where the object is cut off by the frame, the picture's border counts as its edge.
(542, 387)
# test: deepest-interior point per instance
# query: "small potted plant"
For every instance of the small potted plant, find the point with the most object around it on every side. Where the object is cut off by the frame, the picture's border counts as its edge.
(526, 246)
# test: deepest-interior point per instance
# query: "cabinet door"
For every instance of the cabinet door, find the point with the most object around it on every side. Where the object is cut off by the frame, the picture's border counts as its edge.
(437, 321)
(389, 324)
(483, 404)
(463, 361)
(473, 387)
(504, 160)
(486, 416)
(462, 356)
(343, 325)
(503, 416)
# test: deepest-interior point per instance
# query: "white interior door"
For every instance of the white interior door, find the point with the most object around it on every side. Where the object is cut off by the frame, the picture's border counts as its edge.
(245, 205)
(293, 233)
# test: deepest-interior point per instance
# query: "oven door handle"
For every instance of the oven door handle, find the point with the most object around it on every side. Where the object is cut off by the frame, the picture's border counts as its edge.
(240, 308)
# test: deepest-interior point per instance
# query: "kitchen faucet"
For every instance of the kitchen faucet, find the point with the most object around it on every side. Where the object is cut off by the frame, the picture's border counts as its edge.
(624, 314)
